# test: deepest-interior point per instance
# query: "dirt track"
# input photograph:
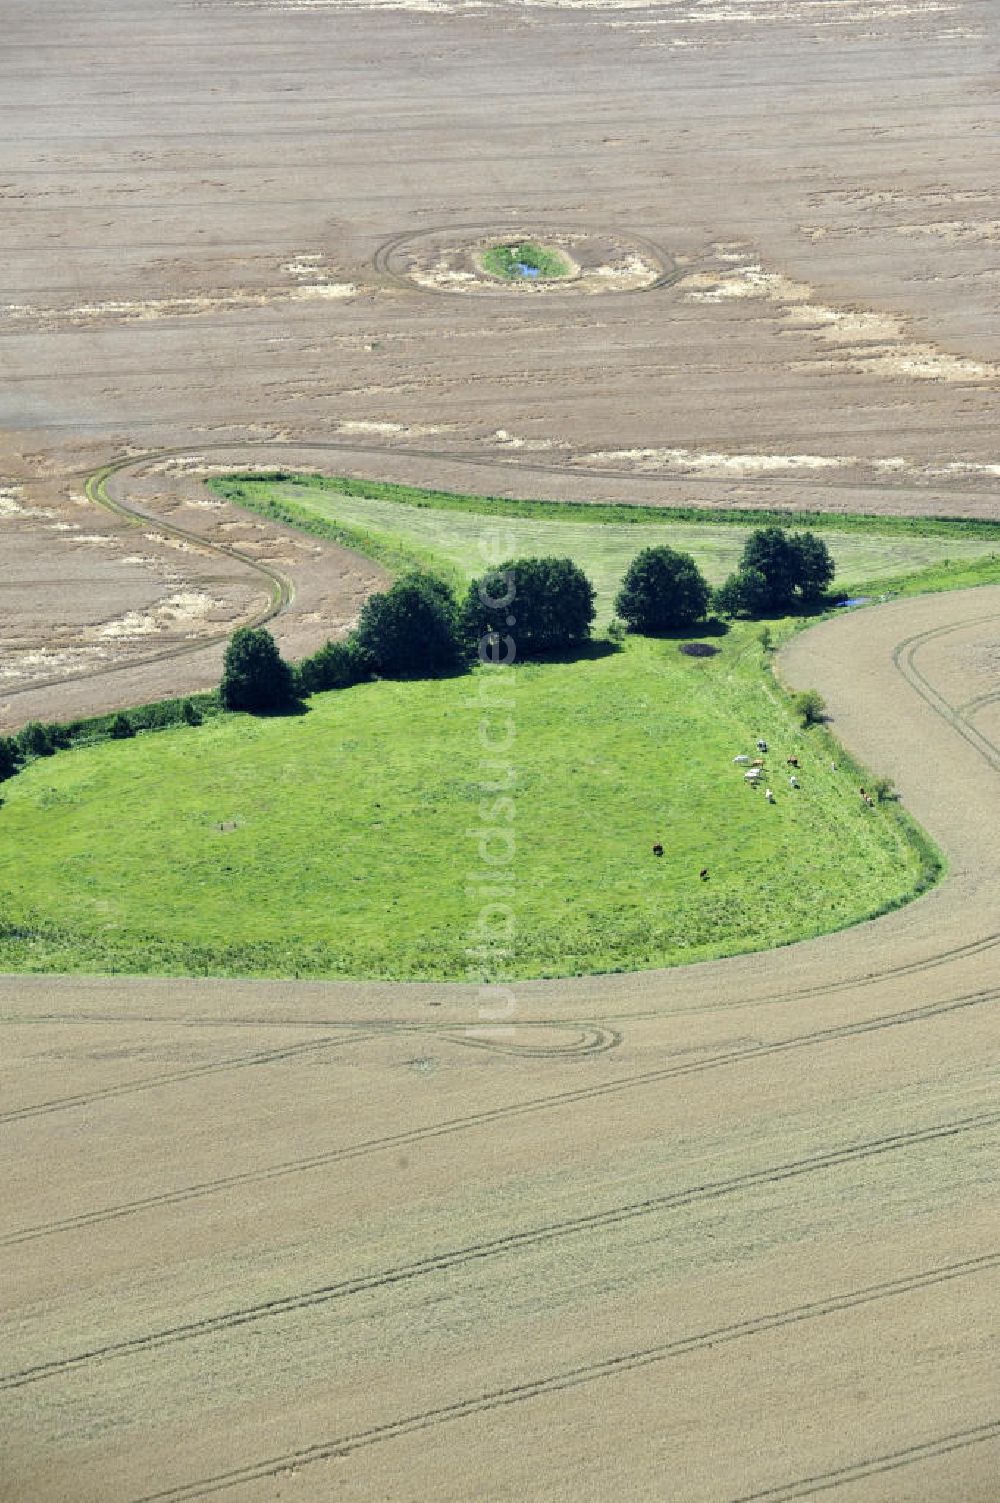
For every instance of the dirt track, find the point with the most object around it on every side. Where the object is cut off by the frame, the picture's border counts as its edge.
(712, 1235)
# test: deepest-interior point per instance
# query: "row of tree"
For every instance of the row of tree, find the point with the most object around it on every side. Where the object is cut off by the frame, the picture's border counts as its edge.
(521, 609)
(524, 608)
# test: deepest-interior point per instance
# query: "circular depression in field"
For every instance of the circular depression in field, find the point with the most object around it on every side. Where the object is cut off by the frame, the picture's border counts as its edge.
(520, 260)
(524, 260)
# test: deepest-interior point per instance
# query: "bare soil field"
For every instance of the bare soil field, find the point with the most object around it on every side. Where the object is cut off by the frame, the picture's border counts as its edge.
(240, 220)
(716, 1235)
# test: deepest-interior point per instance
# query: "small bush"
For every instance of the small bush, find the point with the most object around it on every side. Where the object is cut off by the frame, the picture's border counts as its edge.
(189, 715)
(60, 736)
(744, 593)
(810, 706)
(10, 757)
(255, 677)
(617, 630)
(122, 728)
(35, 740)
(337, 665)
(883, 790)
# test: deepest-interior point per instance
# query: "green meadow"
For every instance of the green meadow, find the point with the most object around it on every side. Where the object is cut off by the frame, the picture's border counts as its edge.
(401, 526)
(344, 842)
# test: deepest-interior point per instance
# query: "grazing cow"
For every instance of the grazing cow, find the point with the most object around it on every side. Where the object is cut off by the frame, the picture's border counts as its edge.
(793, 780)
(762, 746)
(769, 795)
(751, 776)
(657, 849)
(869, 801)
(703, 874)
(792, 761)
(757, 762)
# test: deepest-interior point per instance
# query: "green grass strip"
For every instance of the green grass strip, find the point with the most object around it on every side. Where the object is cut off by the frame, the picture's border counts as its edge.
(621, 512)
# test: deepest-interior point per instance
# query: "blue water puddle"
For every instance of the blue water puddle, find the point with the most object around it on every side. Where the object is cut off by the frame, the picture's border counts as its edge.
(526, 271)
(855, 600)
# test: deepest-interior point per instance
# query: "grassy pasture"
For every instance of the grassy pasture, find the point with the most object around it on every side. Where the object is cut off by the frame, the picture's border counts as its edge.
(396, 530)
(343, 842)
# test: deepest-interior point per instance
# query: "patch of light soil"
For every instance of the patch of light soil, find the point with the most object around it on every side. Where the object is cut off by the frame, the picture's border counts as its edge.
(144, 310)
(311, 291)
(384, 429)
(49, 661)
(953, 231)
(441, 274)
(507, 440)
(864, 340)
(186, 608)
(964, 467)
(695, 462)
(12, 503)
(630, 271)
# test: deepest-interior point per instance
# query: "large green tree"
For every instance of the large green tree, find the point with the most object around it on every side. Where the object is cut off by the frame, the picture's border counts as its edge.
(662, 591)
(814, 565)
(528, 607)
(411, 630)
(255, 677)
(777, 572)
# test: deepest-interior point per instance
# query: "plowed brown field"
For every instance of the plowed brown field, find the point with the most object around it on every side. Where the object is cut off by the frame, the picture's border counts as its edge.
(709, 1236)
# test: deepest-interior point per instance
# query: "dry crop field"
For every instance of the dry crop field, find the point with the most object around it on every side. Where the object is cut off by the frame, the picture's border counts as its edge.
(724, 1234)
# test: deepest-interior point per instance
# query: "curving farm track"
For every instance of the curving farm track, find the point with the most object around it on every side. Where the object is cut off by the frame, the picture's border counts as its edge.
(734, 1225)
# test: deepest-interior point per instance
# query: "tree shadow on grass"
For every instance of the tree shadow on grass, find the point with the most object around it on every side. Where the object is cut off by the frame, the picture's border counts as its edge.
(282, 712)
(579, 652)
(712, 626)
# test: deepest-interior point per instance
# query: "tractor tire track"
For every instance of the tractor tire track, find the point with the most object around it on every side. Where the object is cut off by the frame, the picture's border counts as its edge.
(174, 1077)
(807, 1487)
(454, 1125)
(904, 660)
(509, 1243)
(611, 1367)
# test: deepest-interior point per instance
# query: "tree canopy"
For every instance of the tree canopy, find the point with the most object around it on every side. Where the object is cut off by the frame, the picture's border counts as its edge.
(411, 630)
(662, 590)
(777, 571)
(255, 677)
(528, 607)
